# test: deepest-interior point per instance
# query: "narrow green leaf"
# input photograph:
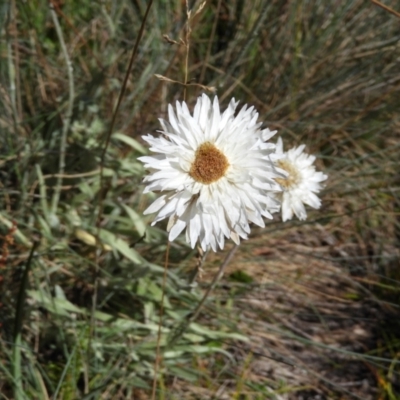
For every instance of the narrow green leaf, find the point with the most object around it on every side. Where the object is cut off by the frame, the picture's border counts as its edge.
(135, 218)
(202, 330)
(130, 142)
(121, 246)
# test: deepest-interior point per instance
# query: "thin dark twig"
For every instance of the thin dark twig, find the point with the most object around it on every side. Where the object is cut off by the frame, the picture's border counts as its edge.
(217, 277)
(103, 154)
(121, 95)
(386, 8)
(19, 316)
(184, 325)
(22, 291)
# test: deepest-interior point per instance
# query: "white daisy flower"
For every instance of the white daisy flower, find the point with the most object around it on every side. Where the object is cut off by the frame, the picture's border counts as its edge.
(301, 183)
(214, 172)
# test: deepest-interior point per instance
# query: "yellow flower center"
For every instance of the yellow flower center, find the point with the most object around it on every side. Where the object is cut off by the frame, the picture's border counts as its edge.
(209, 164)
(292, 179)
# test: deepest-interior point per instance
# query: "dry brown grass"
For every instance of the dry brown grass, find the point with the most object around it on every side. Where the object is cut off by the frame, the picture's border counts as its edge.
(311, 322)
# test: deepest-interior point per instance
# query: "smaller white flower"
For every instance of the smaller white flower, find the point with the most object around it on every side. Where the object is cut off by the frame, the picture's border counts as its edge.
(301, 183)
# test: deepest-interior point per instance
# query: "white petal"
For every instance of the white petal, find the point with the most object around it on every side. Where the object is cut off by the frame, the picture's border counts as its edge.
(156, 205)
(176, 230)
(247, 191)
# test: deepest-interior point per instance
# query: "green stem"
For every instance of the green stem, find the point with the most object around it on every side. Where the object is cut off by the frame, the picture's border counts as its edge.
(68, 116)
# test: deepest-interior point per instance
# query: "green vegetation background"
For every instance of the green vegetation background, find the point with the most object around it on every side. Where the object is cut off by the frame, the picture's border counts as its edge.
(324, 73)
